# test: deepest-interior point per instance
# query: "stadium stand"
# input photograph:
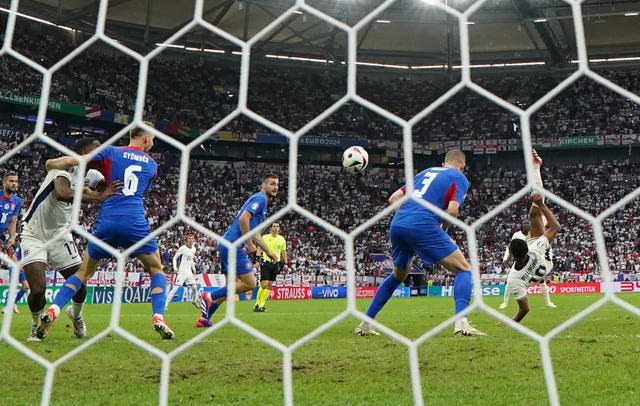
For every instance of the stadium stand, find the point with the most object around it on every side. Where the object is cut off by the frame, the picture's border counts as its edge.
(585, 108)
(357, 198)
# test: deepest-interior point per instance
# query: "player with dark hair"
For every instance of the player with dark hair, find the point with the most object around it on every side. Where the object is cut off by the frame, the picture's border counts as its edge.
(10, 206)
(46, 239)
(532, 257)
(526, 236)
(270, 269)
(251, 214)
(415, 229)
(120, 223)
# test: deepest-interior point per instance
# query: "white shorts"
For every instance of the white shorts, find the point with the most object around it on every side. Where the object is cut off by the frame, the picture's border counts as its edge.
(517, 287)
(60, 254)
(182, 279)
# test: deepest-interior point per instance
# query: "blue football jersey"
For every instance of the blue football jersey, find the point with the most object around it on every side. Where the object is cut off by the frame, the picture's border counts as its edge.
(438, 186)
(257, 206)
(135, 169)
(9, 208)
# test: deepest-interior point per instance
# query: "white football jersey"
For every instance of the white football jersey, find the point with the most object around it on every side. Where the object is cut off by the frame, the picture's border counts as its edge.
(537, 266)
(186, 256)
(47, 216)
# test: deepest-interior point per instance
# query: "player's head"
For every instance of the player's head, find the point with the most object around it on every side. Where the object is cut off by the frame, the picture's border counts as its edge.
(518, 249)
(526, 227)
(275, 228)
(455, 159)
(189, 240)
(9, 182)
(141, 138)
(86, 145)
(270, 183)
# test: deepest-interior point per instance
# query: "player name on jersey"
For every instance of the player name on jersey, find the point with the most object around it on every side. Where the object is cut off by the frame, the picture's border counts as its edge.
(135, 157)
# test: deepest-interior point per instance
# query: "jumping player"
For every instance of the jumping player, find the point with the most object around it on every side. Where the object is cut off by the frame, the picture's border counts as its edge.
(120, 223)
(184, 270)
(525, 235)
(532, 257)
(415, 229)
(46, 240)
(251, 214)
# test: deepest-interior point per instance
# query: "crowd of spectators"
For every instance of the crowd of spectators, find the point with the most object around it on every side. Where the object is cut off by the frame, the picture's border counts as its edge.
(197, 91)
(216, 190)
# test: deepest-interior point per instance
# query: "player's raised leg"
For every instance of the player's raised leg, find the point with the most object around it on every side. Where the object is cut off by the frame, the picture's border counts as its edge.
(245, 281)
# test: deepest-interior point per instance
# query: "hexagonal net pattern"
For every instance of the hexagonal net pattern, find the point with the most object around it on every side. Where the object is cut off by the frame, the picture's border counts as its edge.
(407, 125)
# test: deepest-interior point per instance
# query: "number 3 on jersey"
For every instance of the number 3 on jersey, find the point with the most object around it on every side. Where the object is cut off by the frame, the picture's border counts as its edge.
(426, 182)
(131, 180)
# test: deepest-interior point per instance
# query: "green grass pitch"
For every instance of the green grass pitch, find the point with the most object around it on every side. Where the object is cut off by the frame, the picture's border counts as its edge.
(595, 361)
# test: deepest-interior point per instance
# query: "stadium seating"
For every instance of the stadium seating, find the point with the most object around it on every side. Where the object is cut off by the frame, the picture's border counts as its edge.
(187, 91)
(221, 190)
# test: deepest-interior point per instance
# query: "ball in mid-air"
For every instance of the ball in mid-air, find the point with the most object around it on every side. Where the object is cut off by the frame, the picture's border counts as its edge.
(355, 159)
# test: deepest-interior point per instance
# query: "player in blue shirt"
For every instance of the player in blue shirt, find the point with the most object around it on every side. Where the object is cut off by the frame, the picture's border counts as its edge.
(121, 222)
(416, 230)
(251, 214)
(10, 206)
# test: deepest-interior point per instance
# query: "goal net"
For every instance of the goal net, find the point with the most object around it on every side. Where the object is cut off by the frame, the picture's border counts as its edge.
(462, 19)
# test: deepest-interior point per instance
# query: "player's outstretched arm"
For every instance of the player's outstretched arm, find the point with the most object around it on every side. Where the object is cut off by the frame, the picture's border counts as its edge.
(89, 195)
(553, 226)
(63, 192)
(62, 163)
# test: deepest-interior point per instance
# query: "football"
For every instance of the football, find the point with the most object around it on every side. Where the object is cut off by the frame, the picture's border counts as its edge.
(355, 159)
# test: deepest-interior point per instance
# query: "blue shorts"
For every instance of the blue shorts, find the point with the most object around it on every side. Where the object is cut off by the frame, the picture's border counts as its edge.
(431, 244)
(21, 278)
(243, 263)
(121, 232)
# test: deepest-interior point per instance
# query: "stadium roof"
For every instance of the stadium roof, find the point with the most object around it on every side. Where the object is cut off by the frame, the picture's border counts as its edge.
(408, 31)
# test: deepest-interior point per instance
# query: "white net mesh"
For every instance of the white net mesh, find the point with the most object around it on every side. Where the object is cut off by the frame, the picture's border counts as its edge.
(462, 19)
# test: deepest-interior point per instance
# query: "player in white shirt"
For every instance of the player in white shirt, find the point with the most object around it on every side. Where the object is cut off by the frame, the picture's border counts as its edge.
(46, 237)
(523, 235)
(532, 257)
(185, 269)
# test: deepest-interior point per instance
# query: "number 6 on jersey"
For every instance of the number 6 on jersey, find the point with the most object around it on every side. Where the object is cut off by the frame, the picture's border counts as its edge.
(131, 180)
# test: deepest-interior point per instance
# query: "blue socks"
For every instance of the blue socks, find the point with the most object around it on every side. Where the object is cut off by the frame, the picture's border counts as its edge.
(215, 295)
(212, 310)
(69, 289)
(20, 294)
(218, 293)
(383, 294)
(157, 299)
(462, 286)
